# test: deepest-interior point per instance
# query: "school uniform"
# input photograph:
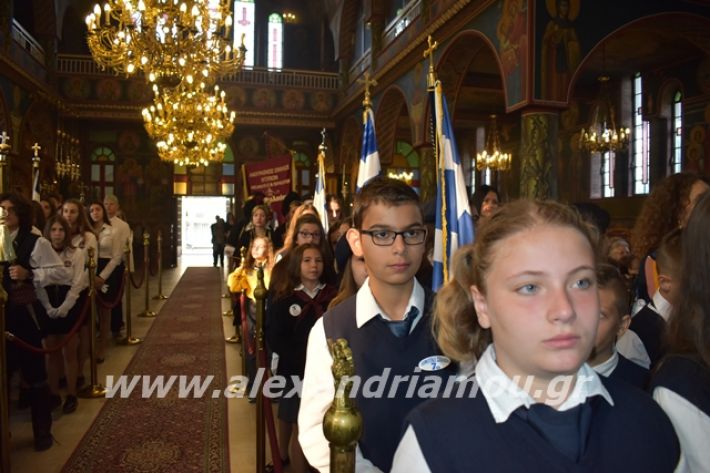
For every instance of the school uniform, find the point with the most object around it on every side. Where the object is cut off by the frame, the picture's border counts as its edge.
(650, 325)
(22, 313)
(619, 367)
(681, 386)
(380, 348)
(109, 262)
(66, 296)
(503, 429)
(289, 321)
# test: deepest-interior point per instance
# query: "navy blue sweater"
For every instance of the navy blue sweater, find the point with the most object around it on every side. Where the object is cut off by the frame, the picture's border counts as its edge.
(375, 349)
(650, 327)
(460, 435)
(687, 377)
(630, 372)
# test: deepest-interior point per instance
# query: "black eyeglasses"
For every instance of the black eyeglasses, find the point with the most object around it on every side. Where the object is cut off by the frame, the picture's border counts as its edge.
(314, 235)
(412, 236)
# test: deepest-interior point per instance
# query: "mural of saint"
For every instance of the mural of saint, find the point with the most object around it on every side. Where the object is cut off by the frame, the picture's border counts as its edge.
(512, 33)
(560, 49)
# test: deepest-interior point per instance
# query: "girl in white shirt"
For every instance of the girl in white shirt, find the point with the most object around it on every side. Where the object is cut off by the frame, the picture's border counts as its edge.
(63, 303)
(681, 384)
(108, 281)
(524, 302)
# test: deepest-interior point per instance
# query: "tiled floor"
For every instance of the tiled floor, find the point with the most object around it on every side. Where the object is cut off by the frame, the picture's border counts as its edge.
(68, 430)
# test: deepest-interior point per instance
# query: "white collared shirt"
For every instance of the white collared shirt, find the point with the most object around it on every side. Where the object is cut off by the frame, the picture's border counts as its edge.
(607, 367)
(318, 383)
(367, 307)
(47, 267)
(311, 293)
(631, 346)
(503, 397)
(661, 306)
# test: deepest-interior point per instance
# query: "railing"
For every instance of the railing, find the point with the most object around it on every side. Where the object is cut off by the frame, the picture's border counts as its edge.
(79, 64)
(411, 11)
(27, 42)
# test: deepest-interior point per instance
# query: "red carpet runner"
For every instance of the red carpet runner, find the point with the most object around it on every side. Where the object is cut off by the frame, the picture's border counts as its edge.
(149, 434)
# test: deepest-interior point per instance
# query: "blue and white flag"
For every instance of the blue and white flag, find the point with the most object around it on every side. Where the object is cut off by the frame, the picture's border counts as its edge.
(35, 185)
(369, 158)
(319, 200)
(454, 223)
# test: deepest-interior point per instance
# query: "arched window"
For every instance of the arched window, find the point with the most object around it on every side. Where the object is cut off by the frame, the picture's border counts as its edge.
(244, 14)
(102, 176)
(641, 134)
(276, 39)
(675, 165)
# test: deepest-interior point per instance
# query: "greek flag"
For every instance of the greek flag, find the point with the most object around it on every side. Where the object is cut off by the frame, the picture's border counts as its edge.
(369, 158)
(454, 224)
(319, 201)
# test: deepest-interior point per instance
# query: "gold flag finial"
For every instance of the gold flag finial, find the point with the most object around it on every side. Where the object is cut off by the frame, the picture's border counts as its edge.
(429, 53)
(322, 147)
(367, 103)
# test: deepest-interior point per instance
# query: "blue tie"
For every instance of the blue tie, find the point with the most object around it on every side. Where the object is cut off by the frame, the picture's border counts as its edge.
(401, 328)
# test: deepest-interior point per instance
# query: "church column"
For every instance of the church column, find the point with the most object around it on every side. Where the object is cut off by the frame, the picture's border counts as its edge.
(539, 154)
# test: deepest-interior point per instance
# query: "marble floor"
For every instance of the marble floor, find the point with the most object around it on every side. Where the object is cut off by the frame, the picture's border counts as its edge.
(68, 430)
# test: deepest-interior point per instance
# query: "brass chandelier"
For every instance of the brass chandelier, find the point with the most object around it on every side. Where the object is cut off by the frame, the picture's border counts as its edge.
(492, 156)
(602, 134)
(169, 40)
(189, 124)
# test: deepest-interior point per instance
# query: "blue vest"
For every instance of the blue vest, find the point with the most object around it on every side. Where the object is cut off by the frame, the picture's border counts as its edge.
(375, 349)
(630, 372)
(650, 327)
(460, 435)
(686, 377)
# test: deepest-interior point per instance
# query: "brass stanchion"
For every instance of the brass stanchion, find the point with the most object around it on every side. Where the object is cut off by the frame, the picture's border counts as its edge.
(160, 296)
(342, 423)
(4, 402)
(130, 339)
(230, 312)
(146, 275)
(93, 390)
(260, 296)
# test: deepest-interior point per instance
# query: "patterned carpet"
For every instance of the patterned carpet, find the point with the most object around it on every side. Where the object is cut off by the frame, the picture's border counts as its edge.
(150, 434)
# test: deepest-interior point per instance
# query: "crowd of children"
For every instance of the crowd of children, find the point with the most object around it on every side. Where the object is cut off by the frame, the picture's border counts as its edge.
(47, 282)
(578, 344)
(542, 299)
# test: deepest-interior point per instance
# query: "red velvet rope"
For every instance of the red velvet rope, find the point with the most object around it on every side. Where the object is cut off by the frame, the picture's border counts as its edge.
(269, 417)
(110, 305)
(27, 346)
(133, 282)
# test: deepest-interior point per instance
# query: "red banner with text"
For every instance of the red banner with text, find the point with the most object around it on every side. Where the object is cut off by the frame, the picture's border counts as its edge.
(272, 177)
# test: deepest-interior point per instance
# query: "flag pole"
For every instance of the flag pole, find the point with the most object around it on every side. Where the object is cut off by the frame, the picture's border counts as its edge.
(433, 85)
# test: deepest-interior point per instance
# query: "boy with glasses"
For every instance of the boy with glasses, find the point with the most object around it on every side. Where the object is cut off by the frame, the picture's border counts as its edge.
(386, 325)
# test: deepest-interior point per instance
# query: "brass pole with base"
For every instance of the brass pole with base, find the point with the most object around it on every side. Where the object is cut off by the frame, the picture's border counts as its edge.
(130, 339)
(93, 390)
(230, 312)
(342, 423)
(160, 296)
(4, 401)
(146, 275)
(260, 296)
